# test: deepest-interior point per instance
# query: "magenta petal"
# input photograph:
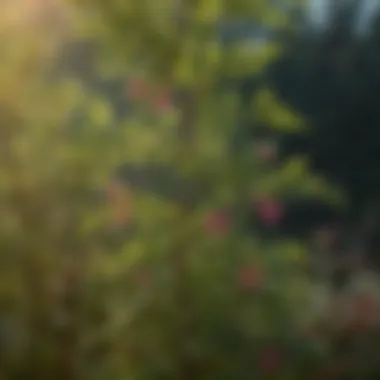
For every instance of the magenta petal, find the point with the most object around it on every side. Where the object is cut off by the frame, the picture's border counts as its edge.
(270, 360)
(217, 223)
(270, 212)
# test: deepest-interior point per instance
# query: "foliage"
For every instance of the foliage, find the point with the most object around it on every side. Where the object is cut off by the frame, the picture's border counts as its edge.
(147, 286)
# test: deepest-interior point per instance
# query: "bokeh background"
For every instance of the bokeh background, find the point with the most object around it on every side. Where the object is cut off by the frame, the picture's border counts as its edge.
(189, 189)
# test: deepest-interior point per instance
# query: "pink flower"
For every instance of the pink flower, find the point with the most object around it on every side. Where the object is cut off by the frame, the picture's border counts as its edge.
(325, 237)
(270, 360)
(365, 314)
(120, 201)
(309, 332)
(162, 102)
(266, 151)
(143, 279)
(115, 191)
(138, 89)
(217, 223)
(250, 278)
(269, 211)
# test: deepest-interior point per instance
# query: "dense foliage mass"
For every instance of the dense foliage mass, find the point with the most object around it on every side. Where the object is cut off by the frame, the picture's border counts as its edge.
(142, 236)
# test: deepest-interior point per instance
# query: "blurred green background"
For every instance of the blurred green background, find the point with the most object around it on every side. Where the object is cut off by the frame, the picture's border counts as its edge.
(189, 189)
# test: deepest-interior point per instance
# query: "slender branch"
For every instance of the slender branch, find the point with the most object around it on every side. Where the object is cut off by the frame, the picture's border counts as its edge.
(187, 369)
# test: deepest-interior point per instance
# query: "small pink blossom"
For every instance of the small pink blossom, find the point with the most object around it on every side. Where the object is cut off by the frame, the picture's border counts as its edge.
(269, 211)
(365, 313)
(218, 223)
(250, 278)
(138, 89)
(325, 237)
(143, 279)
(266, 151)
(270, 360)
(115, 191)
(309, 332)
(163, 101)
